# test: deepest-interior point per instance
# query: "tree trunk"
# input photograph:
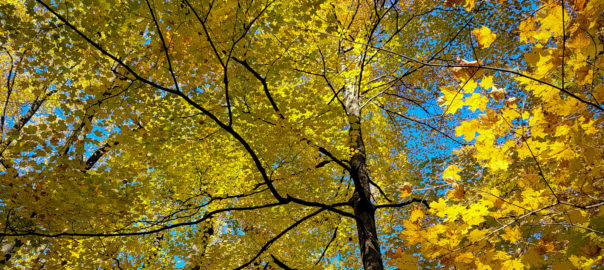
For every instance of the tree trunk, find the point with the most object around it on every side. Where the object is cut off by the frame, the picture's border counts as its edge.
(9, 249)
(364, 209)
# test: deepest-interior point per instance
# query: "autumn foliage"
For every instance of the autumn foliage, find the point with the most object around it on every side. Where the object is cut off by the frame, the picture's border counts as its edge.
(311, 134)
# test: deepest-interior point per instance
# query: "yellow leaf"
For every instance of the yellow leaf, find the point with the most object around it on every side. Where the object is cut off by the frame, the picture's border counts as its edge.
(584, 75)
(489, 118)
(551, 19)
(573, 260)
(527, 30)
(467, 129)
(509, 114)
(412, 234)
(480, 266)
(533, 257)
(497, 159)
(405, 261)
(515, 264)
(469, 5)
(598, 92)
(476, 235)
(544, 65)
(562, 130)
(487, 82)
(477, 102)
(501, 256)
(450, 100)
(466, 257)
(438, 207)
(511, 234)
(475, 215)
(484, 36)
(453, 211)
(451, 174)
(588, 126)
(469, 86)
(416, 214)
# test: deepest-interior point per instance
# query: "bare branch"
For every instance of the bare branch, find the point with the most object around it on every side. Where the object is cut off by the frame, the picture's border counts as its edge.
(205, 217)
(333, 237)
(397, 205)
(280, 263)
(276, 237)
(163, 43)
(262, 80)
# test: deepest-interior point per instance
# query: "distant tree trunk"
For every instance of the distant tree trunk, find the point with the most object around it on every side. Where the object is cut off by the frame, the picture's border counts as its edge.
(8, 250)
(364, 209)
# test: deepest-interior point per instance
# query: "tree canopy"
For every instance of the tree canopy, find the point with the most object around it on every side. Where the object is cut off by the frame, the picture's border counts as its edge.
(307, 134)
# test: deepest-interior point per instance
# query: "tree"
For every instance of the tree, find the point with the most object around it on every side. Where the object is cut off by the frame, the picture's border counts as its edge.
(301, 134)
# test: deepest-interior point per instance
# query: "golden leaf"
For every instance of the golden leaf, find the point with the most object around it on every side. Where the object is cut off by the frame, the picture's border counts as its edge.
(484, 36)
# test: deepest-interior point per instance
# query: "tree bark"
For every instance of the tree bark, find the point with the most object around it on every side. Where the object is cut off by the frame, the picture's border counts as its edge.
(8, 250)
(364, 209)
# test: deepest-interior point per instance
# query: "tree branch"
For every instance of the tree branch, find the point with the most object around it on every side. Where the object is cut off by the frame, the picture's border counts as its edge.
(276, 237)
(333, 237)
(163, 43)
(280, 263)
(98, 153)
(262, 80)
(396, 205)
(153, 231)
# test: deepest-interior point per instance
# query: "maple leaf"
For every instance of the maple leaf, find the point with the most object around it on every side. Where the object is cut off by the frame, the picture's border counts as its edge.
(405, 261)
(498, 93)
(467, 129)
(476, 235)
(457, 193)
(451, 99)
(439, 207)
(465, 70)
(451, 173)
(476, 102)
(487, 82)
(406, 189)
(484, 36)
(511, 234)
(513, 264)
(416, 214)
(475, 215)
